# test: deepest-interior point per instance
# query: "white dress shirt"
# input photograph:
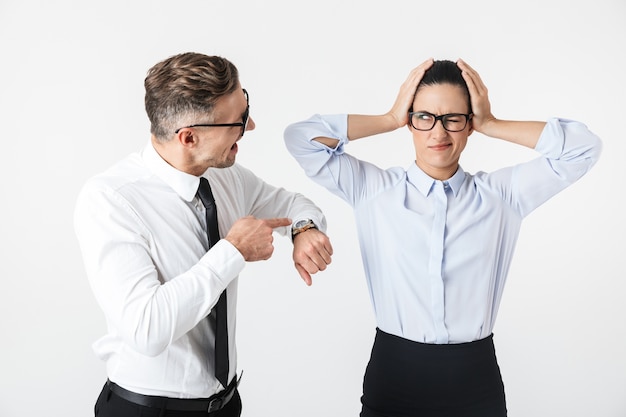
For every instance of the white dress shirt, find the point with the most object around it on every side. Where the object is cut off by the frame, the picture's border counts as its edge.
(142, 233)
(436, 254)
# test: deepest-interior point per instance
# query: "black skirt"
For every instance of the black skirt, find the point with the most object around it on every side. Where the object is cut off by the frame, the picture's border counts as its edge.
(410, 379)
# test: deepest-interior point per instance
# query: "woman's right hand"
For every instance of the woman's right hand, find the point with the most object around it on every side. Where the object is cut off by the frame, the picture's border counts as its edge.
(404, 101)
(362, 126)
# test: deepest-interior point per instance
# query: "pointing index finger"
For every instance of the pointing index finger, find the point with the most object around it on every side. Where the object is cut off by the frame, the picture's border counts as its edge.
(278, 222)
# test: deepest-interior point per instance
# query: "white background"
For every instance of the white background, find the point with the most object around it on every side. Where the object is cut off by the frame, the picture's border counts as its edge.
(71, 104)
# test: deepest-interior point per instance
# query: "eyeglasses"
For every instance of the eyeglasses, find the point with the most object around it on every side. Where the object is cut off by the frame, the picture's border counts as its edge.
(243, 123)
(452, 122)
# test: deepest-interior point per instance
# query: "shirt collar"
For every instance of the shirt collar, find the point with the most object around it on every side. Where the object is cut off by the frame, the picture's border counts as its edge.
(185, 185)
(424, 183)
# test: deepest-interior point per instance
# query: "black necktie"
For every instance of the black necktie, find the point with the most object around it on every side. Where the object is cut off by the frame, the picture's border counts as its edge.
(219, 310)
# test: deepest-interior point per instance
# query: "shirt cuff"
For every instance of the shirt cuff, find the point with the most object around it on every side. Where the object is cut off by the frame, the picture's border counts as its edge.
(318, 220)
(224, 262)
(552, 139)
(337, 124)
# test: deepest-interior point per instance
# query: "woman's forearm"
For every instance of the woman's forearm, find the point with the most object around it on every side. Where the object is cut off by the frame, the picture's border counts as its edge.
(361, 126)
(524, 133)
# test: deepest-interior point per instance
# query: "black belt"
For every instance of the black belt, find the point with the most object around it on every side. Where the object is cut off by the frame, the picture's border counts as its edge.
(214, 403)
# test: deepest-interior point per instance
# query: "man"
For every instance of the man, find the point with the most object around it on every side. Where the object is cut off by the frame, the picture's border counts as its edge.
(152, 250)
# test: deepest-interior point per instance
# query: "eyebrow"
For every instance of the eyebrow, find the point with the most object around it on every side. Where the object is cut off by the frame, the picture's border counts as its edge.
(435, 114)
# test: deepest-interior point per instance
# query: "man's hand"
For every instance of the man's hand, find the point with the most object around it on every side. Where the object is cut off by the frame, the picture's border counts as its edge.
(253, 237)
(312, 252)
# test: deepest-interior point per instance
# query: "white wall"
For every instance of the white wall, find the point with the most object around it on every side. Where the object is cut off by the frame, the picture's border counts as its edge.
(71, 104)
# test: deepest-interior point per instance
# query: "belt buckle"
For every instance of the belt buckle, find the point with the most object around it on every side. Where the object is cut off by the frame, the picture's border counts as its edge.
(219, 401)
(215, 404)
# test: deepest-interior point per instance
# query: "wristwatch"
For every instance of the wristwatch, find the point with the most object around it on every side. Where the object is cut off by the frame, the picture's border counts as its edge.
(301, 226)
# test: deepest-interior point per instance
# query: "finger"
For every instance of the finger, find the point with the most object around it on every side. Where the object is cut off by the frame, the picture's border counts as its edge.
(466, 67)
(471, 86)
(306, 277)
(318, 263)
(425, 65)
(322, 259)
(475, 89)
(321, 251)
(328, 255)
(478, 83)
(266, 252)
(463, 65)
(328, 247)
(405, 97)
(310, 262)
(324, 250)
(468, 71)
(418, 72)
(277, 222)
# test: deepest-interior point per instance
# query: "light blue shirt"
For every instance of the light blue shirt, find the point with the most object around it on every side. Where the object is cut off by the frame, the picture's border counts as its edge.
(436, 254)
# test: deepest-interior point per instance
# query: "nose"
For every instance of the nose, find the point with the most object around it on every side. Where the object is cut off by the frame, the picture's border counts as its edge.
(438, 128)
(251, 125)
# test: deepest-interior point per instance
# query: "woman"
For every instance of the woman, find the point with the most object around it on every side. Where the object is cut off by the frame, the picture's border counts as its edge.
(436, 241)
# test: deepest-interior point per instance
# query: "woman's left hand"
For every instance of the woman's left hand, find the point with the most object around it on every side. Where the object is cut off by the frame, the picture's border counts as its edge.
(479, 98)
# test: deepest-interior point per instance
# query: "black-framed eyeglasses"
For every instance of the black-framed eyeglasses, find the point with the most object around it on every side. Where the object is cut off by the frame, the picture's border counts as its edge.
(243, 123)
(452, 122)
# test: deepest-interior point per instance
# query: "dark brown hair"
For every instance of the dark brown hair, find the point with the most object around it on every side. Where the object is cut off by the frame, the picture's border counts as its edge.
(184, 87)
(446, 72)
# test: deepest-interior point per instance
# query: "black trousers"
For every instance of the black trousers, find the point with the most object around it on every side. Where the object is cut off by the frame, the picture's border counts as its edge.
(110, 405)
(410, 379)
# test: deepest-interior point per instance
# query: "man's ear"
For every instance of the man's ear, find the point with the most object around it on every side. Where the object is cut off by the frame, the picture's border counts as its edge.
(471, 126)
(186, 137)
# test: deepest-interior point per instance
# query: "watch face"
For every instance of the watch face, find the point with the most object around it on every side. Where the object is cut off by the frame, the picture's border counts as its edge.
(301, 223)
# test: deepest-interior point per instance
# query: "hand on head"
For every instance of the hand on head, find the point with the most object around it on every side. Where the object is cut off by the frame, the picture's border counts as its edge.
(479, 97)
(404, 101)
